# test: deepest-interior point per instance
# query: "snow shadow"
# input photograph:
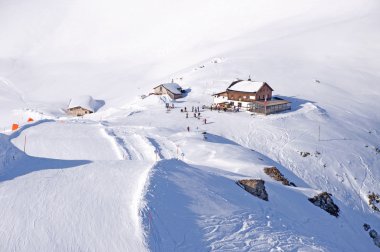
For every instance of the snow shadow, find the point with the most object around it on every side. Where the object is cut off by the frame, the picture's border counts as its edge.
(19, 165)
(168, 219)
(185, 204)
(186, 92)
(218, 139)
(98, 104)
(15, 163)
(157, 147)
(297, 103)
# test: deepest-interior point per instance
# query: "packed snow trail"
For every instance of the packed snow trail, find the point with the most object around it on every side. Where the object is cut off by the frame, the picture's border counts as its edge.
(70, 205)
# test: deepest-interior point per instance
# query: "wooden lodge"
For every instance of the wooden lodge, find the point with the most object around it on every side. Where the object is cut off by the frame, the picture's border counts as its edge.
(252, 96)
(81, 106)
(172, 89)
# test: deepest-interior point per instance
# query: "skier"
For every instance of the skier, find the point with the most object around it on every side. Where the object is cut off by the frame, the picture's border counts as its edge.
(188, 129)
(205, 120)
(187, 115)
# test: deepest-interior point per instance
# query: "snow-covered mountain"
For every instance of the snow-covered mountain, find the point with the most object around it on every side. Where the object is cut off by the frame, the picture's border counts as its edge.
(116, 180)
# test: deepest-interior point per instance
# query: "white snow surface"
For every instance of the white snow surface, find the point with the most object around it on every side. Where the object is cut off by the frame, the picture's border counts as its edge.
(132, 178)
(247, 86)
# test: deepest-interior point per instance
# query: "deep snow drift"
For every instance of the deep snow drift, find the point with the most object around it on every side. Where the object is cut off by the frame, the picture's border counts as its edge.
(112, 180)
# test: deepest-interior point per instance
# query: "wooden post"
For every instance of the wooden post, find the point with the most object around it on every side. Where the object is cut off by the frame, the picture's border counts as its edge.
(24, 143)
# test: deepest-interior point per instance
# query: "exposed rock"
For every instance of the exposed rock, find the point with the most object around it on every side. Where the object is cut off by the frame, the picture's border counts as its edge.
(377, 241)
(373, 234)
(325, 202)
(366, 227)
(373, 200)
(255, 187)
(274, 173)
(305, 154)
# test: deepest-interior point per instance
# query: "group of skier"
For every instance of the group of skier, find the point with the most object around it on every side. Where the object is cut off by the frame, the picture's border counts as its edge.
(197, 114)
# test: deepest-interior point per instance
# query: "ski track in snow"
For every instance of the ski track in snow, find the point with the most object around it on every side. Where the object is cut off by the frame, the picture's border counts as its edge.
(59, 200)
(91, 185)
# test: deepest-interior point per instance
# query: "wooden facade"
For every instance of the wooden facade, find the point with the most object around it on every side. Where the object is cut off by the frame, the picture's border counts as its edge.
(270, 107)
(243, 98)
(78, 111)
(162, 90)
(253, 96)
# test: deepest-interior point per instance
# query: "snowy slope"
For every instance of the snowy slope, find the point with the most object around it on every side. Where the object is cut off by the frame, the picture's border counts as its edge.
(70, 205)
(111, 181)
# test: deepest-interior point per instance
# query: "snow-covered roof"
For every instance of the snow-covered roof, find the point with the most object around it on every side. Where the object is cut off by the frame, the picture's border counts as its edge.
(173, 87)
(85, 101)
(246, 86)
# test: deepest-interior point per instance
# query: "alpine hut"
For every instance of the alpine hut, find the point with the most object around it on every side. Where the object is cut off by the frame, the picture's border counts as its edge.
(172, 89)
(82, 105)
(251, 95)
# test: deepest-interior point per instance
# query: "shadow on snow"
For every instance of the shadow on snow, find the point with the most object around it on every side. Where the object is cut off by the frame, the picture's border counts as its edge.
(15, 163)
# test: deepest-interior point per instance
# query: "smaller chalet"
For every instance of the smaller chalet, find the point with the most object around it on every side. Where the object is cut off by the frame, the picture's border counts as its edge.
(251, 95)
(172, 89)
(80, 106)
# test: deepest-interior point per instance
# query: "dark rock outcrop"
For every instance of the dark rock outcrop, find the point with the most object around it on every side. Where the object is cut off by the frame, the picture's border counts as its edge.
(366, 227)
(274, 173)
(255, 187)
(373, 200)
(373, 234)
(325, 202)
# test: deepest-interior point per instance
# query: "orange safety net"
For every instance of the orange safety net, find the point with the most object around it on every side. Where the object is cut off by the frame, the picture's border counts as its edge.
(30, 119)
(14, 126)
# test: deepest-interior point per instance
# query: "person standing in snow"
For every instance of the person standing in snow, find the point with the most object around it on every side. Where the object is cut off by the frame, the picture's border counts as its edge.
(187, 114)
(185, 109)
(199, 114)
(205, 121)
(192, 109)
(195, 115)
(188, 129)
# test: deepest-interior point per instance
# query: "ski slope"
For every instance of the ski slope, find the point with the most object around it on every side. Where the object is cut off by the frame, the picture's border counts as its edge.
(56, 203)
(131, 178)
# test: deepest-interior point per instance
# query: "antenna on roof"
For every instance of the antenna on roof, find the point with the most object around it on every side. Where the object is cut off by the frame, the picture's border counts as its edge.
(249, 78)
